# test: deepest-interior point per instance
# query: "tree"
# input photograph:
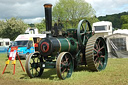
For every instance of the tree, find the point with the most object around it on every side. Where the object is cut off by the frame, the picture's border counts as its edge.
(114, 18)
(124, 26)
(41, 26)
(124, 20)
(72, 11)
(11, 28)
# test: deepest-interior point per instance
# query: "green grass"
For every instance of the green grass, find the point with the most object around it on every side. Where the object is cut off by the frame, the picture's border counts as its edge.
(116, 73)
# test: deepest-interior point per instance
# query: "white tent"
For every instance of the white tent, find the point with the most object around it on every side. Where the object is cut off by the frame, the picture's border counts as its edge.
(121, 31)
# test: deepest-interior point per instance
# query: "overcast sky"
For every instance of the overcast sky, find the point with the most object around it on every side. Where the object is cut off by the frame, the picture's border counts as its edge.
(32, 11)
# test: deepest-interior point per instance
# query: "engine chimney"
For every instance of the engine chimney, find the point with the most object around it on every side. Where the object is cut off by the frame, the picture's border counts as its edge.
(48, 18)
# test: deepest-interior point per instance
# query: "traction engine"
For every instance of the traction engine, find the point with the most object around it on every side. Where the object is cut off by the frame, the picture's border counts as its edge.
(67, 51)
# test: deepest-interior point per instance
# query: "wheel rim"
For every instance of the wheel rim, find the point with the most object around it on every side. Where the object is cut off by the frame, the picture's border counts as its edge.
(64, 65)
(27, 54)
(96, 54)
(83, 33)
(33, 65)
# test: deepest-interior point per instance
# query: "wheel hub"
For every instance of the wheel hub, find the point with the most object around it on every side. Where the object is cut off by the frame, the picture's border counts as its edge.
(34, 65)
(99, 53)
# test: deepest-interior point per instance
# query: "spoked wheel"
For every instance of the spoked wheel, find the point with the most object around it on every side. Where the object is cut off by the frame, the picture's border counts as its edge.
(33, 65)
(96, 54)
(84, 32)
(64, 65)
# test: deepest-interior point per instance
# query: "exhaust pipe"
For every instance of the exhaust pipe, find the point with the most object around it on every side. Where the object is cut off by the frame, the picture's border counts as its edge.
(48, 18)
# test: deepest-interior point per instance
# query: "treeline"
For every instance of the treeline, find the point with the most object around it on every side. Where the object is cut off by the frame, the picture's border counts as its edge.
(116, 19)
(11, 28)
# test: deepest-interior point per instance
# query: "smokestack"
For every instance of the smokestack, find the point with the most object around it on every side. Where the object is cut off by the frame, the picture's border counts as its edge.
(48, 16)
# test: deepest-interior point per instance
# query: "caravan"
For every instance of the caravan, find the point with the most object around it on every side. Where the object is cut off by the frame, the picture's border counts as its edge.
(102, 28)
(4, 44)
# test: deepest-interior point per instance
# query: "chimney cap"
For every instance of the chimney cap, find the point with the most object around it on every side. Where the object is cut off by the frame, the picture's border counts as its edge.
(47, 5)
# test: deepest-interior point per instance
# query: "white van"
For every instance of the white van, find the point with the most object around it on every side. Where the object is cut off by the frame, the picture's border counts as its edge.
(25, 43)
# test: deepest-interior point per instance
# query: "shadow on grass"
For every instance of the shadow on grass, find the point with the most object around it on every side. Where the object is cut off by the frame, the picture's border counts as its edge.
(7, 72)
(49, 74)
(81, 68)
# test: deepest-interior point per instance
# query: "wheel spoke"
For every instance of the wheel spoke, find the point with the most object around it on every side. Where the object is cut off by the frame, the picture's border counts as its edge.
(84, 40)
(68, 69)
(102, 56)
(32, 70)
(69, 64)
(33, 60)
(99, 44)
(82, 33)
(63, 64)
(97, 47)
(95, 50)
(95, 54)
(101, 48)
(66, 58)
(100, 63)
(96, 60)
(37, 70)
(85, 27)
(97, 64)
(37, 60)
(63, 71)
(82, 27)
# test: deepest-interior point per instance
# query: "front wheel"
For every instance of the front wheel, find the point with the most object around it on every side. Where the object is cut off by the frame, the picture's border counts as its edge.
(64, 65)
(33, 65)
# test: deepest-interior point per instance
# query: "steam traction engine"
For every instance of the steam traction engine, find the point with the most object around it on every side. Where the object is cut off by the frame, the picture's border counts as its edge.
(65, 52)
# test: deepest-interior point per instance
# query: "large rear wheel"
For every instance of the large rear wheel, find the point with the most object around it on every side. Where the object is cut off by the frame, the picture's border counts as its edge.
(96, 53)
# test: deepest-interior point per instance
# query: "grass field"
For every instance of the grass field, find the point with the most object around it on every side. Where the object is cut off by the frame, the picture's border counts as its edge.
(116, 73)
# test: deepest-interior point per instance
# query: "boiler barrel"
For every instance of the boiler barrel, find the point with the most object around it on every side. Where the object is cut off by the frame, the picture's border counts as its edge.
(51, 46)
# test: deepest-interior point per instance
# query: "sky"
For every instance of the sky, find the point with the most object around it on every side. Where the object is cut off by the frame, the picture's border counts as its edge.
(32, 11)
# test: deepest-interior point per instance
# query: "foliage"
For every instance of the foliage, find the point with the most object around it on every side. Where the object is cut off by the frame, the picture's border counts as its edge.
(115, 19)
(70, 12)
(41, 26)
(124, 19)
(124, 26)
(74, 22)
(11, 28)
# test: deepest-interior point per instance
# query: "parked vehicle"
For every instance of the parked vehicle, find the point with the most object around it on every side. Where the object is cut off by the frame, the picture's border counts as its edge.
(4, 44)
(102, 28)
(25, 43)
